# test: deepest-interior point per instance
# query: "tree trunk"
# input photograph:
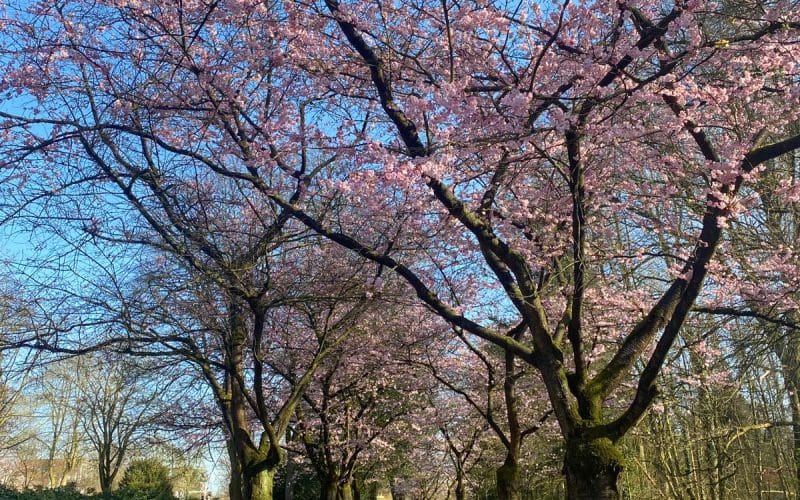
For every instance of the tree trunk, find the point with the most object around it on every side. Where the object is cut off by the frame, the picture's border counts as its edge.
(105, 486)
(243, 453)
(289, 489)
(330, 490)
(788, 354)
(235, 483)
(105, 477)
(508, 480)
(346, 491)
(258, 487)
(461, 491)
(592, 468)
(335, 489)
(243, 486)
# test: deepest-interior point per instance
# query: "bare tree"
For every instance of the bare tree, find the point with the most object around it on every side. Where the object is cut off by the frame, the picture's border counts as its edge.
(119, 406)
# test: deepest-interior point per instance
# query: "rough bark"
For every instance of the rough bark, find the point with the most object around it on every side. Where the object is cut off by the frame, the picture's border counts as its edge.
(330, 490)
(592, 467)
(336, 489)
(259, 486)
(508, 480)
(244, 486)
(346, 491)
(235, 483)
(106, 471)
(105, 482)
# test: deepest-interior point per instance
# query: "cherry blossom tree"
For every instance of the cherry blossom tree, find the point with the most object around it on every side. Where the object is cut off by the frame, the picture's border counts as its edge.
(462, 452)
(342, 425)
(486, 152)
(255, 362)
(365, 394)
(269, 360)
(174, 263)
(196, 292)
(480, 381)
(632, 99)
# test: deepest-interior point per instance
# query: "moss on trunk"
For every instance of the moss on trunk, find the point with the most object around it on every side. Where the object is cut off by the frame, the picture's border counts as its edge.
(335, 489)
(592, 468)
(259, 487)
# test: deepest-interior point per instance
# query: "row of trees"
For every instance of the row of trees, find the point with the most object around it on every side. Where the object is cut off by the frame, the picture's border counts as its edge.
(144, 479)
(718, 411)
(505, 219)
(448, 425)
(80, 421)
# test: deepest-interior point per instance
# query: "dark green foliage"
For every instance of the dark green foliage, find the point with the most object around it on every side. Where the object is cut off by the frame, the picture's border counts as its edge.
(70, 493)
(63, 493)
(146, 479)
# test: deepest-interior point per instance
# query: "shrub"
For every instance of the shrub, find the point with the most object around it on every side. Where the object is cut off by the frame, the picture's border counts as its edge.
(146, 479)
(62, 493)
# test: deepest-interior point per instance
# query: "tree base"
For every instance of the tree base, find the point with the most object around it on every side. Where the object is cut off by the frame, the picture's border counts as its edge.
(592, 469)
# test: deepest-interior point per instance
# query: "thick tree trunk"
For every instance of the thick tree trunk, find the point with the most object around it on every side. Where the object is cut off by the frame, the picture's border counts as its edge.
(335, 489)
(330, 490)
(246, 487)
(105, 475)
(592, 468)
(346, 491)
(243, 453)
(235, 483)
(105, 486)
(508, 487)
(258, 487)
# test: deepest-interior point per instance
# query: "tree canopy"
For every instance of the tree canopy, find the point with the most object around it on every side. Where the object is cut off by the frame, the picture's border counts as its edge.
(309, 205)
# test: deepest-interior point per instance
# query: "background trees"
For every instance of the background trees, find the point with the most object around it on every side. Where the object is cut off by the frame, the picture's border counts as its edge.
(117, 411)
(59, 401)
(364, 395)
